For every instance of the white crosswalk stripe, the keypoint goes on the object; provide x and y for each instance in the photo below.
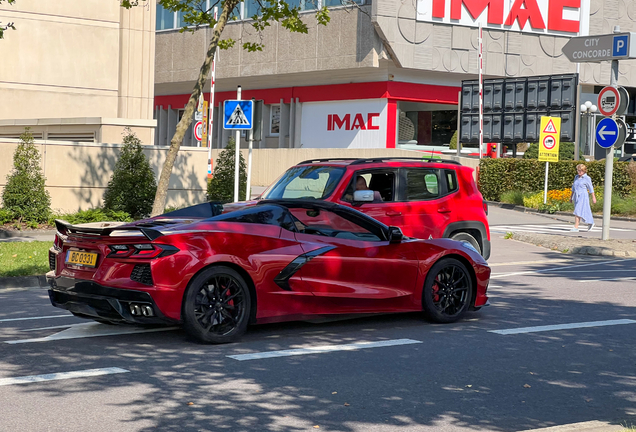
(547, 229)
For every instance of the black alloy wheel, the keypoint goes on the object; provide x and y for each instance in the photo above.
(216, 306)
(447, 291)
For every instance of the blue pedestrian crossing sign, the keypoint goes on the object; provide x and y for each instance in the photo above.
(607, 132)
(238, 114)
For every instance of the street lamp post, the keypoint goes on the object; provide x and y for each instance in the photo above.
(589, 109)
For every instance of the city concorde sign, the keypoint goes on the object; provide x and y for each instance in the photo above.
(617, 46)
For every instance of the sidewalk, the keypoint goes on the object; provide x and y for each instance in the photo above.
(582, 242)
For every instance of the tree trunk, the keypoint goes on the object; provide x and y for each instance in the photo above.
(185, 122)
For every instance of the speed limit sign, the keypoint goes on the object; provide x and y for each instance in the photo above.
(198, 130)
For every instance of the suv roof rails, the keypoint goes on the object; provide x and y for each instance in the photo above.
(358, 161)
(325, 160)
(382, 159)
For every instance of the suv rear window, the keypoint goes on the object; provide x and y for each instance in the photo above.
(422, 184)
(310, 181)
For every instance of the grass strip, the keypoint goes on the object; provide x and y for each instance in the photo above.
(24, 258)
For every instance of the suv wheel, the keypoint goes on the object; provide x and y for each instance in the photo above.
(467, 238)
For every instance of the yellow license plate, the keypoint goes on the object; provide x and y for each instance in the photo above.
(87, 259)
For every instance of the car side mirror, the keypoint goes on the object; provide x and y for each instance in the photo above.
(363, 196)
(395, 234)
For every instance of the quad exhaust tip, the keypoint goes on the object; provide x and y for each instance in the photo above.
(141, 310)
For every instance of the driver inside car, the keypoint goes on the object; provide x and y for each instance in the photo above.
(361, 184)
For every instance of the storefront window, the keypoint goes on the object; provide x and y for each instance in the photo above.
(274, 120)
(423, 124)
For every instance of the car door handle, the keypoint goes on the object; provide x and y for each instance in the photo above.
(393, 213)
(443, 210)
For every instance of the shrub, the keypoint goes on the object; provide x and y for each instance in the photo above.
(497, 176)
(453, 141)
(221, 186)
(132, 187)
(631, 172)
(24, 195)
(92, 215)
(512, 197)
(5, 216)
(566, 151)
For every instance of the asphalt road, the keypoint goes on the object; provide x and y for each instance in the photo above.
(480, 374)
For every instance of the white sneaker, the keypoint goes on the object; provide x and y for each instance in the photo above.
(590, 226)
(574, 230)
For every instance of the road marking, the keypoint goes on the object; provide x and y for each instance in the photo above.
(35, 318)
(530, 262)
(588, 264)
(323, 349)
(87, 330)
(61, 376)
(612, 279)
(596, 271)
(563, 326)
(51, 327)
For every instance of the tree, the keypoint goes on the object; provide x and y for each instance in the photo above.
(195, 14)
(132, 186)
(7, 25)
(221, 186)
(24, 195)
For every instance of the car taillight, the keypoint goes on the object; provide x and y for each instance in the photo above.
(57, 243)
(485, 204)
(141, 250)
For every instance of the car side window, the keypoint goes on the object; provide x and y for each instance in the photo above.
(451, 180)
(382, 182)
(326, 223)
(422, 184)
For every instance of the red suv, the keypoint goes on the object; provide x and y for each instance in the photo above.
(427, 198)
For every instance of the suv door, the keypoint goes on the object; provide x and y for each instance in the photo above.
(385, 181)
(427, 201)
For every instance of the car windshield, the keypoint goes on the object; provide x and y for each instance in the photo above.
(311, 181)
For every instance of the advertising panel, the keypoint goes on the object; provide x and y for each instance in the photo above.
(550, 17)
(344, 124)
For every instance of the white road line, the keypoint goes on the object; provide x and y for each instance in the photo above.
(612, 279)
(52, 327)
(61, 376)
(588, 264)
(562, 326)
(323, 349)
(35, 318)
(596, 271)
(87, 330)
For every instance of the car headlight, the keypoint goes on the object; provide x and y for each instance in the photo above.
(469, 246)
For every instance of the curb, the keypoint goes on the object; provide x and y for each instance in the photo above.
(523, 209)
(589, 426)
(5, 234)
(16, 283)
(569, 245)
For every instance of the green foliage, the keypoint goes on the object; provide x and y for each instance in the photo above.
(566, 151)
(92, 215)
(7, 25)
(453, 141)
(221, 186)
(5, 216)
(512, 197)
(497, 176)
(24, 195)
(132, 186)
(194, 14)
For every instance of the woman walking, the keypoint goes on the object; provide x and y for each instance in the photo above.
(581, 188)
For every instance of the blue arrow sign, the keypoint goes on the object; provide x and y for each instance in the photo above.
(607, 132)
(238, 114)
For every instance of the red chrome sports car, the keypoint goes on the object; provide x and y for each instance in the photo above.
(273, 261)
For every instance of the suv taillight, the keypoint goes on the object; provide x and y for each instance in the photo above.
(485, 204)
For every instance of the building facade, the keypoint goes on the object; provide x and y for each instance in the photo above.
(383, 74)
(77, 70)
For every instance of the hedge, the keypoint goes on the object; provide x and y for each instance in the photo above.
(497, 176)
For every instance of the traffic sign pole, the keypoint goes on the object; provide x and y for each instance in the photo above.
(237, 154)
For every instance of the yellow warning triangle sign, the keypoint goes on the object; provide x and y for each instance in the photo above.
(549, 128)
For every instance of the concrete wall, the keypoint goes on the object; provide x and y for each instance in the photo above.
(447, 48)
(77, 174)
(349, 41)
(71, 59)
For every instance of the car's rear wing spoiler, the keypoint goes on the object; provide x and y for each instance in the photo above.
(65, 228)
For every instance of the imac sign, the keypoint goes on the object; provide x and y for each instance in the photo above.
(556, 17)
